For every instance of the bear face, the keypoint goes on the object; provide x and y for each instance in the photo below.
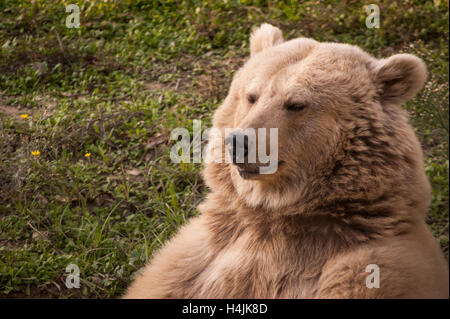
(342, 135)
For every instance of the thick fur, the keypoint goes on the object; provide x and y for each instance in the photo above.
(351, 191)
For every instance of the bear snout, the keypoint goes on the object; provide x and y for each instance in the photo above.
(238, 145)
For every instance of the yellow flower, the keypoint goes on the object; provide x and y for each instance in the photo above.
(24, 116)
(35, 153)
(87, 154)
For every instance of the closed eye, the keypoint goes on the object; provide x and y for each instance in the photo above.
(295, 106)
(252, 98)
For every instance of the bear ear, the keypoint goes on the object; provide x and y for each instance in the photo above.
(264, 37)
(399, 77)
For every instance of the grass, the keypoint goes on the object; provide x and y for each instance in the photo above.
(118, 85)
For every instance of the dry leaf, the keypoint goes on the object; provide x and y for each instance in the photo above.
(40, 235)
(156, 140)
(134, 172)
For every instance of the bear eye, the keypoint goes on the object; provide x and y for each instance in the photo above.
(251, 98)
(295, 106)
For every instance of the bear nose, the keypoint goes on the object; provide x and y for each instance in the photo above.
(237, 143)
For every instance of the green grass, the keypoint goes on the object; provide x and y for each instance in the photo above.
(118, 85)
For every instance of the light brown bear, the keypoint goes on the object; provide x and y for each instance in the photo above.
(350, 191)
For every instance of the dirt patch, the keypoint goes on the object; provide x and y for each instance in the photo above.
(15, 112)
(47, 291)
(208, 75)
(46, 104)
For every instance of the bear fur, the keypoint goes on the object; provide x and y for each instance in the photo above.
(350, 191)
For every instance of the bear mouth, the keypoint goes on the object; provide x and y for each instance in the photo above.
(251, 172)
(246, 173)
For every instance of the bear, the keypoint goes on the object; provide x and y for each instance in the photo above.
(344, 214)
